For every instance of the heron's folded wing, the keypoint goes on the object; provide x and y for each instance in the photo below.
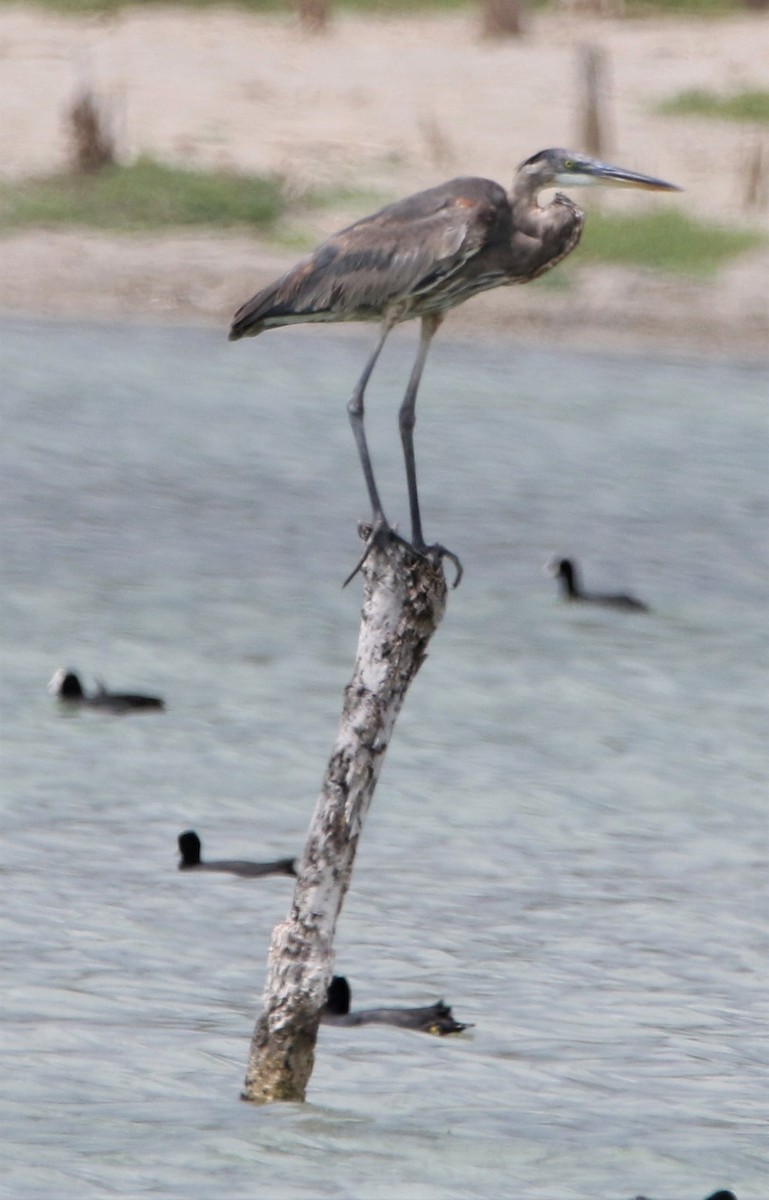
(400, 251)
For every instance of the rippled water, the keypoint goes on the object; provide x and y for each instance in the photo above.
(570, 836)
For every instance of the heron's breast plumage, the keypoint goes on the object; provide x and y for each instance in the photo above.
(543, 237)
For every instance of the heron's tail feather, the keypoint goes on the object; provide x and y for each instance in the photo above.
(300, 295)
(249, 319)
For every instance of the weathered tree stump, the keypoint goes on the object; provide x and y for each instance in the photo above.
(403, 602)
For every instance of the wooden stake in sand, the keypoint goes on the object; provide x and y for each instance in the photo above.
(314, 15)
(592, 105)
(756, 174)
(502, 18)
(403, 601)
(90, 127)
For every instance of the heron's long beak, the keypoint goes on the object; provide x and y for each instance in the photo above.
(607, 176)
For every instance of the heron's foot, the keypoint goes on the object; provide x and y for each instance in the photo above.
(436, 553)
(380, 534)
(376, 535)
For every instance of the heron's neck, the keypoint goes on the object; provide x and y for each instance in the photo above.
(529, 213)
(549, 233)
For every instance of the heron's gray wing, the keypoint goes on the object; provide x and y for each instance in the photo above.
(399, 252)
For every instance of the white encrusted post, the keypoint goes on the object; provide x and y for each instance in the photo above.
(403, 602)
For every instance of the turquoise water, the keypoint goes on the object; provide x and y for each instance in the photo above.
(569, 841)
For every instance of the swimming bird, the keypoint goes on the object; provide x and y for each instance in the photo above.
(420, 257)
(433, 1018)
(722, 1195)
(66, 686)
(565, 570)
(189, 847)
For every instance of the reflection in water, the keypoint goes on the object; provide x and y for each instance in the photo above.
(569, 838)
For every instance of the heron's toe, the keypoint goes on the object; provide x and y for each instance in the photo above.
(436, 553)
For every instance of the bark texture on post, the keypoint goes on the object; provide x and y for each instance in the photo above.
(403, 602)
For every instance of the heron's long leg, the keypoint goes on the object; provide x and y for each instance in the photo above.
(407, 420)
(355, 412)
(381, 527)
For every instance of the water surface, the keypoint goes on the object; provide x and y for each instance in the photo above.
(569, 839)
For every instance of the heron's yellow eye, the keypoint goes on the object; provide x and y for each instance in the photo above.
(568, 164)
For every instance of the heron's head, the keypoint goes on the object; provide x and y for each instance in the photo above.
(566, 168)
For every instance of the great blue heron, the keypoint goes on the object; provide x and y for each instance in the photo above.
(422, 256)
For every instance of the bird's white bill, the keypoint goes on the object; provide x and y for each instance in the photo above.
(54, 686)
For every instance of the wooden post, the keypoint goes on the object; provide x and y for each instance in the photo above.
(403, 602)
(90, 127)
(756, 173)
(502, 18)
(314, 15)
(592, 132)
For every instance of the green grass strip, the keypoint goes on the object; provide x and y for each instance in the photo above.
(683, 8)
(271, 7)
(749, 105)
(146, 195)
(151, 196)
(635, 8)
(666, 240)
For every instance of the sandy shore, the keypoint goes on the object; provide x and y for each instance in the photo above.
(384, 106)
